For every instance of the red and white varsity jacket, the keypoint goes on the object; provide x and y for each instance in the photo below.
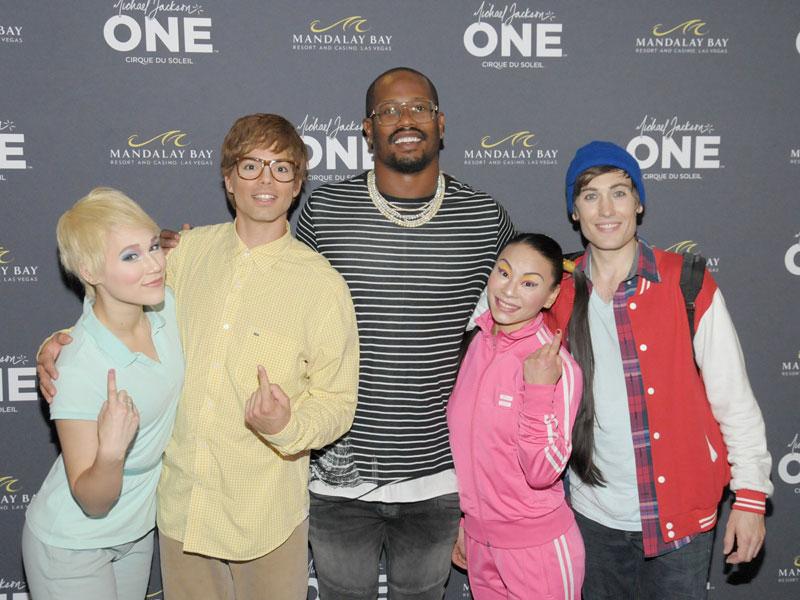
(706, 429)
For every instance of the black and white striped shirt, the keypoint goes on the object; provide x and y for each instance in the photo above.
(414, 290)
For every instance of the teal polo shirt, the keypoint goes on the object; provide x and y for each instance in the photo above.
(155, 386)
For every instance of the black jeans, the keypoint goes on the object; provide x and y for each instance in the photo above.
(347, 537)
(616, 568)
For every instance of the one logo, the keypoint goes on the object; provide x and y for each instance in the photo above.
(794, 156)
(520, 148)
(675, 148)
(797, 43)
(691, 247)
(171, 148)
(12, 494)
(348, 34)
(10, 34)
(511, 37)
(167, 32)
(334, 144)
(11, 147)
(17, 382)
(792, 258)
(13, 272)
(789, 464)
(13, 589)
(691, 36)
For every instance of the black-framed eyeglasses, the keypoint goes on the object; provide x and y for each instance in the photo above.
(390, 112)
(250, 167)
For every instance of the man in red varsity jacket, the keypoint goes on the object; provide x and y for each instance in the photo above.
(667, 420)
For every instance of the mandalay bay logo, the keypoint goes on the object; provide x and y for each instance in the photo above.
(10, 34)
(348, 34)
(510, 36)
(692, 36)
(336, 147)
(519, 148)
(12, 494)
(691, 247)
(790, 572)
(153, 32)
(14, 271)
(171, 148)
(675, 149)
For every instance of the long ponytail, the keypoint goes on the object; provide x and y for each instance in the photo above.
(581, 348)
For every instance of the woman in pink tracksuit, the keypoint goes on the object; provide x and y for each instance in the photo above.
(510, 418)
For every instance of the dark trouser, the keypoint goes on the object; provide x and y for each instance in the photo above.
(617, 570)
(347, 537)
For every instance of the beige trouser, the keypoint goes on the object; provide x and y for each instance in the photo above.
(280, 575)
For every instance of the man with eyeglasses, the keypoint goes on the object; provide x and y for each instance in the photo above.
(271, 346)
(416, 247)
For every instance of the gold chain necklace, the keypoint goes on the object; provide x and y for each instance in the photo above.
(395, 214)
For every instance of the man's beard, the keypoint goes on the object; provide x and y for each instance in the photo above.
(408, 165)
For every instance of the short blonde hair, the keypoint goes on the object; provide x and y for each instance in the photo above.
(82, 231)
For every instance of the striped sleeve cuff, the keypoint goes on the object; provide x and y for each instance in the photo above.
(750, 501)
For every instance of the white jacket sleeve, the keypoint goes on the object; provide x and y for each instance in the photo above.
(719, 356)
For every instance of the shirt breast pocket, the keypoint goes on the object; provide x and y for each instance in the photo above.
(279, 354)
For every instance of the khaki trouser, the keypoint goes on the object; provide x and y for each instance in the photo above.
(280, 575)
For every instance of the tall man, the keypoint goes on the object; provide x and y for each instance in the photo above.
(415, 247)
(667, 419)
(271, 348)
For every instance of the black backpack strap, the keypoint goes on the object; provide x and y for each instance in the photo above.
(692, 272)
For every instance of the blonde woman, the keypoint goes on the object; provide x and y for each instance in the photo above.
(89, 532)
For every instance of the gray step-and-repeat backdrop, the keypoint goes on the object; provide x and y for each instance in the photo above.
(138, 94)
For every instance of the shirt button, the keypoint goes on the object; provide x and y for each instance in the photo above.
(246, 252)
(661, 479)
(671, 534)
(226, 327)
(632, 305)
(668, 525)
(651, 391)
(656, 435)
(643, 347)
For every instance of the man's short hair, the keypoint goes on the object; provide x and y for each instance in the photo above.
(263, 130)
(370, 101)
(586, 176)
(82, 231)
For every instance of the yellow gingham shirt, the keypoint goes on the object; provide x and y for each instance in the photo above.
(225, 491)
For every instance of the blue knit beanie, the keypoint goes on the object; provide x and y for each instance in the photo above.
(601, 154)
